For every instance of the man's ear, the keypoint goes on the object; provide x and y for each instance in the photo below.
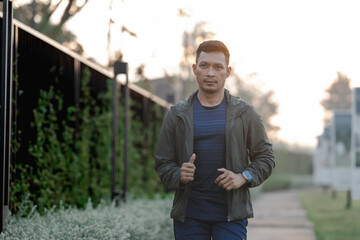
(228, 71)
(194, 67)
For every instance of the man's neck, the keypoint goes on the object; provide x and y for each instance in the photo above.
(210, 99)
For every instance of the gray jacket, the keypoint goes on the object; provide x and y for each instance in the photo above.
(247, 148)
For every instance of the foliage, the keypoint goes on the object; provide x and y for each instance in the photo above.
(293, 169)
(277, 182)
(136, 220)
(338, 95)
(141, 79)
(115, 55)
(144, 134)
(20, 188)
(332, 221)
(93, 143)
(72, 159)
(262, 102)
(292, 161)
(287, 181)
(53, 152)
(38, 14)
(189, 43)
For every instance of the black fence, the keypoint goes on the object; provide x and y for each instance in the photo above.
(36, 59)
(6, 90)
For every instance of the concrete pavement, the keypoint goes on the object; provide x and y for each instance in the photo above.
(279, 216)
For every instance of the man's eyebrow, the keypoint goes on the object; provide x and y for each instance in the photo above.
(216, 63)
(203, 61)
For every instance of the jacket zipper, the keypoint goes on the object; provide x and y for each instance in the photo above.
(229, 195)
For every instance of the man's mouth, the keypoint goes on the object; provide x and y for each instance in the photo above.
(210, 81)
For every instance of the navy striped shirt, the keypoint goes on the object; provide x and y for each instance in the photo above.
(207, 201)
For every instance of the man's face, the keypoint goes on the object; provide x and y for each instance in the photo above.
(211, 71)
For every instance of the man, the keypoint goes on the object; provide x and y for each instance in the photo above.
(212, 148)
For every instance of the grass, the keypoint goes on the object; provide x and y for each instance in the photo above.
(332, 221)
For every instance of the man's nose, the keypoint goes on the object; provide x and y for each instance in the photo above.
(210, 73)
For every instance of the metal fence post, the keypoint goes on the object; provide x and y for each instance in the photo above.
(6, 96)
(120, 68)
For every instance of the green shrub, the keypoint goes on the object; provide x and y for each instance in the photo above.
(292, 170)
(137, 220)
(277, 182)
(292, 161)
(287, 181)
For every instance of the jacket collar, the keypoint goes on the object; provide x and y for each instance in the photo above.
(235, 105)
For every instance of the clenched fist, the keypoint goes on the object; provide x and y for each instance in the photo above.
(229, 180)
(187, 170)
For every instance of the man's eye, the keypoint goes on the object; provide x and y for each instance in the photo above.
(203, 65)
(219, 67)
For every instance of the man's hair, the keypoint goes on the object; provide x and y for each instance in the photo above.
(213, 46)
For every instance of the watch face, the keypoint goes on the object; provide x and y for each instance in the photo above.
(247, 175)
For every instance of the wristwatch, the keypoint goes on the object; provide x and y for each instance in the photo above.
(247, 175)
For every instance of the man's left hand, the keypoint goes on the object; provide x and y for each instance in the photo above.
(229, 180)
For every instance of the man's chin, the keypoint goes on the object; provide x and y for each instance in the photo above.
(210, 90)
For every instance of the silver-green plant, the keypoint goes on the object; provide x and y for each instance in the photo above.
(137, 220)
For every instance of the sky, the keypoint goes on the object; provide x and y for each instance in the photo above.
(295, 47)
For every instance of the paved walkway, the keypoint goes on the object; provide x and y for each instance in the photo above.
(279, 216)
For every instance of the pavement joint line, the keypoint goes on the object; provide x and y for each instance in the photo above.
(287, 225)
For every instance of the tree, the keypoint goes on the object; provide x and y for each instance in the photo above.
(262, 102)
(116, 55)
(338, 96)
(189, 43)
(38, 13)
(141, 79)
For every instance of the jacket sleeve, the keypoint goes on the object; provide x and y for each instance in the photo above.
(165, 156)
(259, 150)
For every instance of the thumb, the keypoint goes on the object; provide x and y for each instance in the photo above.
(192, 159)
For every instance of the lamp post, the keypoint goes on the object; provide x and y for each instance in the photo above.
(6, 96)
(120, 68)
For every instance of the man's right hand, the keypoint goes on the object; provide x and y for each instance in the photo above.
(187, 170)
